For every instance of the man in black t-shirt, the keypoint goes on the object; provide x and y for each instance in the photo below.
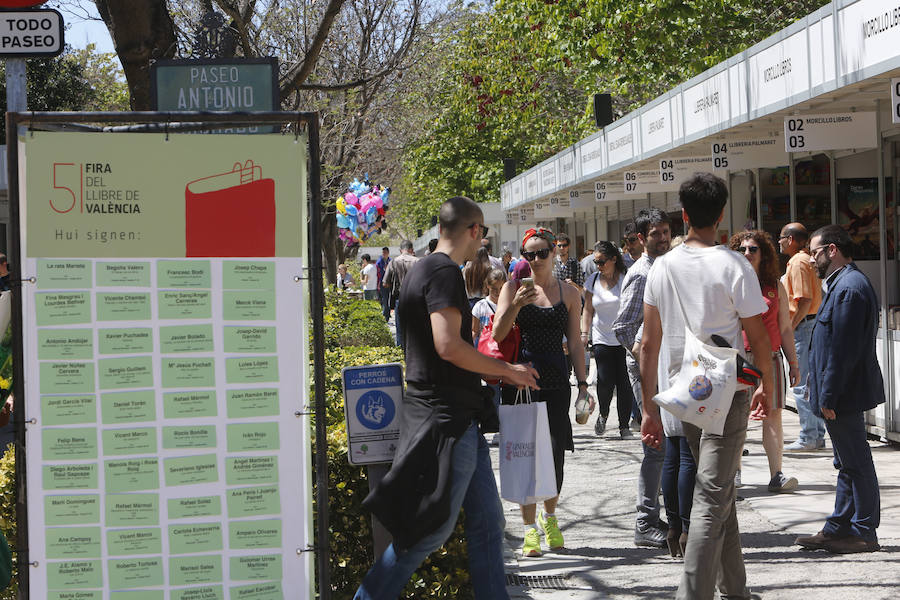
(442, 462)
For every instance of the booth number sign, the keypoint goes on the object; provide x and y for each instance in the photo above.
(895, 100)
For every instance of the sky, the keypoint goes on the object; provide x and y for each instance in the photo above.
(80, 29)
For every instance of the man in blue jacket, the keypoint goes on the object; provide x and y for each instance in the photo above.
(844, 382)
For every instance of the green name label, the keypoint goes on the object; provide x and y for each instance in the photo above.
(129, 510)
(72, 510)
(184, 305)
(254, 534)
(249, 306)
(206, 592)
(123, 274)
(259, 567)
(131, 372)
(67, 377)
(135, 572)
(258, 591)
(241, 275)
(128, 407)
(201, 506)
(69, 444)
(70, 477)
(73, 542)
(118, 442)
(195, 537)
(188, 470)
(188, 372)
(183, 274)
(251, 469)
(131, 475)
(256, 369)
(262, 402)
(68, 410)
(184, 570)
(127, 542)
(126, 341)
(74, 574)
(247, 437)
(186, 338)
(63, 344)
(62, 308)
(198, 436)
(123, 306)
(250, 339)
(63, 274)
(253, 501)
(189, 404)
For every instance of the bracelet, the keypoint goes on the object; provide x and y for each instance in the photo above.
(583, 383)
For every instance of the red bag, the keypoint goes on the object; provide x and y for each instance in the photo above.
(506, 349)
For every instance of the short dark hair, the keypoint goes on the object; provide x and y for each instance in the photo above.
(489, 245)
(406, 245)
(366, 258)
(432, 244)
(562, 237)
(703, 196)
(385, 249)
(837, 235)
(456, 214)
(647, 218)
(631, 228)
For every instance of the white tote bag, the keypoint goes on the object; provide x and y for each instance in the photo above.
(527, 474)
(702, 392)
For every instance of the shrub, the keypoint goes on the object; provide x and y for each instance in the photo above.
(444, 574)
(8, 514)
(350, 321)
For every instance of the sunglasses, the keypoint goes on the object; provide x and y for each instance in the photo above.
(750, 249)
(530, 256)
(562, 245)
(631, 240)
(484, 228)
(600, 261)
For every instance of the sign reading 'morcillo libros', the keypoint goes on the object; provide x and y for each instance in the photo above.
(31, 33)
(167, 453)
(809, 133)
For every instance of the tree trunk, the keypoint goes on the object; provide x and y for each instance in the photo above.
(143, 31)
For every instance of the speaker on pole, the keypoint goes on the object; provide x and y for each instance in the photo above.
(509, 168)
(603, 114)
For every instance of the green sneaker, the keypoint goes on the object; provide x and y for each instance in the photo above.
(551, 530)
(532, 545)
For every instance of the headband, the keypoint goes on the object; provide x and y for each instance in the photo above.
(540, 232)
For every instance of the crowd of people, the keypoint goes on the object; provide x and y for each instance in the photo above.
(630, 308)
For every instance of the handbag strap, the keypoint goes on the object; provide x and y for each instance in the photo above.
(523, 394)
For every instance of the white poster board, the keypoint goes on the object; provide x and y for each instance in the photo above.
(168, 455)
(843, 131)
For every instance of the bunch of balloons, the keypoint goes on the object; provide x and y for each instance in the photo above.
(360, 211)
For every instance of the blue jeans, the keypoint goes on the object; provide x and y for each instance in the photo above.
(857, 500)
(474, 489)
(679, 473)
(384, 295)
(398, 332)
(812, 428)
(650, 474)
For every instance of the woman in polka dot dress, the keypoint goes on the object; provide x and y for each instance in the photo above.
(545, 310)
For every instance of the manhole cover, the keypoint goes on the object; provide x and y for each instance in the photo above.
(540, 582)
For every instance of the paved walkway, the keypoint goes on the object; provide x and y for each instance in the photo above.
(596, 515)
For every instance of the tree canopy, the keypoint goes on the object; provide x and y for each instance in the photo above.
(516, 80)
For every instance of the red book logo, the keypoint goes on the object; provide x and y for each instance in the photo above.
(231, 213)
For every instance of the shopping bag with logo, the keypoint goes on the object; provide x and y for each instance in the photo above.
(527, 474)
(231, 214)
(702, 392)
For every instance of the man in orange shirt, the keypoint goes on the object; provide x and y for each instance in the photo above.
(805, 295)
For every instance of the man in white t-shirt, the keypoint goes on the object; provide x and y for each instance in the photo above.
(720, 294)
(369, 276)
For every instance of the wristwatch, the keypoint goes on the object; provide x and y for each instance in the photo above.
(583, 383)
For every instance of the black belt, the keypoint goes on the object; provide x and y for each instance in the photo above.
(809, 317)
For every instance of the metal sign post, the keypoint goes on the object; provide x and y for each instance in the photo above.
(372, 398)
